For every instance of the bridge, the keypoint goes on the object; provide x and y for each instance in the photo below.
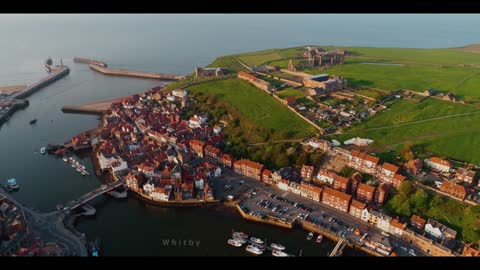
(337, 250)
(93, 194)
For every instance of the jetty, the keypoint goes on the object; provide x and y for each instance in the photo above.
(90, 108)
(57, 73)
(138, 74)
(11, 89)
(89, 61)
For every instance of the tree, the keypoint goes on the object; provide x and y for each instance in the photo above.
(406, 152)
(405, 188)
(420, 201)
(281, 160)
(316, 158)
(347, 171)
(302, 159)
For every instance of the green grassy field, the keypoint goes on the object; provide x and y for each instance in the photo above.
(256, 105)
(451, 136)
(290, 92)
(376, 94)
(228, 62)
(419, 69)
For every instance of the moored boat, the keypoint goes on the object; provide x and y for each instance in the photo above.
(256, 240)
(253, 249)
(43, 150)
(277, 246)
(310, 236)
(33, 121)
(240, 234)
(279, 253)
(319, 238)
(65, 159)
(12, 183)
(234, 242)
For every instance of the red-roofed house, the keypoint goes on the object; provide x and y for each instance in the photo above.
(326, 176)
(307, 172)
(310, 191)
(336, 199)
(356, 209)
(396, 227)
(227, 160)
(246, 76)
(466, 176)
(453, 189)
(418, 222)
(249, 168)
(397, 180)
(342, 184)
(355, 180)
(381, 194)
(470, 251)
(413, 166)
(290, 100)
(386, 172)
(267, 177)
(198, 147)
(365, 193)
(438, 164)
(363, 162)
(212, 154)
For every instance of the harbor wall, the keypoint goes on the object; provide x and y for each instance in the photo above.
(55, 75)
(81, 110)
(191, 203)
(17, 106)
(274, 222)
(89, 61)
(129, 73)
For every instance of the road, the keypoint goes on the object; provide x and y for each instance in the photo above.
(49, 227)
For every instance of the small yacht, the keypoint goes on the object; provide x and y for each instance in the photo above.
(241, 240)
(279, 253)
(43, 150)
(240, 235)
(256, 240)
(319, 238)
(234, 242)
(310, 236)
(253, 249)
(277, 246)
(65, 159)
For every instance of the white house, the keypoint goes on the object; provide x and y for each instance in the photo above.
(365, 215)
(148, 188)
(160, 194)
(199, 184)
(383, 223)
(171, 98)
(282, 184)
(217, 129)
(181, 93)
(119, 165)
(438, 164)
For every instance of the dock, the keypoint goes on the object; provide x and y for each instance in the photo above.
(89, 61)
(138, 74)
(11, 89)
(56, 74)
(337, 250)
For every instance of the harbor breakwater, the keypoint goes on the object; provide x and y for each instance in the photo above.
(139, 74)
(89, 61)
(56, 74)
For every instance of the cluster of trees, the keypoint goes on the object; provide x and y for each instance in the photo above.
(410, 200)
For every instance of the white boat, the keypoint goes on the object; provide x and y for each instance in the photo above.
(84, 173)
(70, 158)
(319, 238)
(278, 253)
(234, 242)
(78, 169)
(256, 240)
(65, 159)
(255, 250)
(240, 234)
(241, 240)
(43, 150)
(310, 236)
(12, 182)
(277, 246)
(73, 166)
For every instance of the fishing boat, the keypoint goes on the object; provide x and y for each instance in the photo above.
(253, 249)
(240, 234)
(234, 242)
(256, 240)
(279, 253)
(33, 121)
(310, 236)
(43, 150)
(12, 183)
(319, 238)
(277, 246)
(65, 159)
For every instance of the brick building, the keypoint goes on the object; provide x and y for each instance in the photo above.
(336, 199)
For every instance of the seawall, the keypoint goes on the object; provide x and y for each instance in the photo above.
(89, 61)
(55, 75)
(139, 74)
(270, 221)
